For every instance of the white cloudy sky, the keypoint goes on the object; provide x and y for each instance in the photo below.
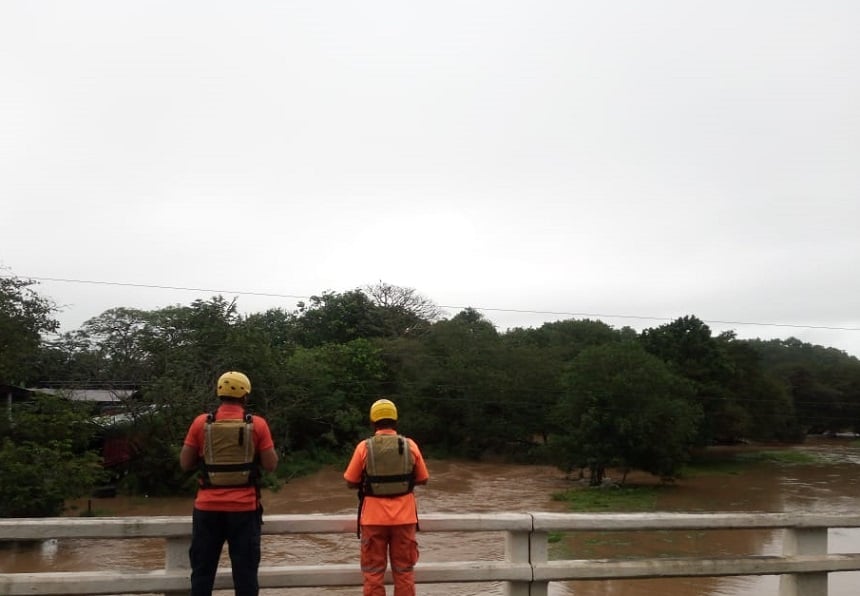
(650, 159)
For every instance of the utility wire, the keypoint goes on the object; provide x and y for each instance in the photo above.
(649, 318)
(457, 307)
(159, 287)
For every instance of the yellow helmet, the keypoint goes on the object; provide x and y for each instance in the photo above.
(233, 384)
(383, 408)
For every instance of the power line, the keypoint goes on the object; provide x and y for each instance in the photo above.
(160, 287)
(457, 307)
(649, 318)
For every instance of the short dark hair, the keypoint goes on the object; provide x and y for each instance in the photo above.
(227, 399)
(385, 423)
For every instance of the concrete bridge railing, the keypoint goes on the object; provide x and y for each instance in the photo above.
(525, 570)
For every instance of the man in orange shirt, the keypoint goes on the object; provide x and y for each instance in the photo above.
(385, 468)
(228, 446)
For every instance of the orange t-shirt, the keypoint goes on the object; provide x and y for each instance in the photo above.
(228, 499)
(387, 511)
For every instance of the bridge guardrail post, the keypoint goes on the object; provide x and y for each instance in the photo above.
(517, 551)
(176, 559)
(804, 541)
(538, 554)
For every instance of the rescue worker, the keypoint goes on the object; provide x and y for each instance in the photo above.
(385, 469)
(228, 446)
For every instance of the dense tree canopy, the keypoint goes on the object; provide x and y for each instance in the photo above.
(577, 393)
(45, 457)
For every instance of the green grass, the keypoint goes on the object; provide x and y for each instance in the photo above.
(620, 499)
(737, 463)
(785, 457)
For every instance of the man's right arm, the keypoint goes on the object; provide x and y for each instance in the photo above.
(188, 458)
(354, 470)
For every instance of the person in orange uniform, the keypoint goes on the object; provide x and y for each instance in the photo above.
(228, 446)
(385, 469)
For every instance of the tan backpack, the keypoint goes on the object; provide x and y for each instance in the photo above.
(389, 471)
(229, 453)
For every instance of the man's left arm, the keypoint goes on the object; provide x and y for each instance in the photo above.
(419, 471)
(265, 445)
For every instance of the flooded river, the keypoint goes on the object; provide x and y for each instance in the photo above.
(832, 485)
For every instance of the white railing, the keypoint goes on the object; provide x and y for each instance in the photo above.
(526, 570)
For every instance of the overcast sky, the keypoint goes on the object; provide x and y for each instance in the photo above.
(647, 159)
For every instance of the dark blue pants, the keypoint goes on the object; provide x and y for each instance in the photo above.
(241, 531)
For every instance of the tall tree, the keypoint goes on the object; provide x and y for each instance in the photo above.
(403, 310)
(338, 318)
(109, 349)
(687, 346)
(452, 380)
(623, 407)
(25, 317)
(324, 395)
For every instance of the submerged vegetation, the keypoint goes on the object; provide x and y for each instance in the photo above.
(614, 499)
(645, 497)
(782, 457)
(736, 462)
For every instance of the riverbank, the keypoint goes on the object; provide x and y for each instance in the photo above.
(631, 491)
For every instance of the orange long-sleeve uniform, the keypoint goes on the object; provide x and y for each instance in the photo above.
(388, 527)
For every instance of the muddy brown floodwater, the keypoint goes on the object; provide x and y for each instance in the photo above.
(830, 486)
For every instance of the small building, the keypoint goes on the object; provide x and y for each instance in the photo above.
(112, 420)
(106, 399)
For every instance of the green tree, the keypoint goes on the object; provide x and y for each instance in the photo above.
(173, 356)
(824, 383)
(107, 350)
(687, 346)
(46, 457)
(530, 387)
(338, 318)
(564, 340)
(623, 407)
(535, 361)
(451, 380)
(24, 317)
(764, 405)
(324, 395)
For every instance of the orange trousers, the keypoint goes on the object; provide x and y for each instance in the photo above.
(378, 544)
